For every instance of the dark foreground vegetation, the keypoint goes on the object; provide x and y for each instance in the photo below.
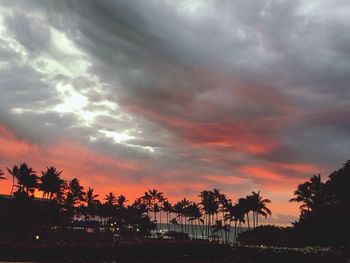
(324, 215)
(65, 222)
(167, 251)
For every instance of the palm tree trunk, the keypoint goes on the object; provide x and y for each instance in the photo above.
(13, 185)
(155, 219)
(160, 220)
(192, 228)
(254, 221)
(234, 238)
(248, 220)
(167, 221)
(196, 230)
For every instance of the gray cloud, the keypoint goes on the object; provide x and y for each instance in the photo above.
(230, 83)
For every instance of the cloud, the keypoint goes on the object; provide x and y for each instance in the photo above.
(241, 95)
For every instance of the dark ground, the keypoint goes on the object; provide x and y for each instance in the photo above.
(164, 252)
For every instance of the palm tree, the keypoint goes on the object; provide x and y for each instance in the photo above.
(185, 205)
(154, 198)
(109, 207)
(14, 172)
(168, 209)
(121, 199)
(76, 191)
(225, 204)
(217, 196)
(259, 207)
(110, 199)
(194, 214)
(26, 178)
(90, 197)
(51, 183)
(91, 202)
(310, 194)
(317, 191)
(246, 205)
(210, 207)
(178, 209)
(303, 194)
(236, 213)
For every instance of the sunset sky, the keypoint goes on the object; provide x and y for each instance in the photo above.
(180, 96)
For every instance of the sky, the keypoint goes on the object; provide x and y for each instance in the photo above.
(180, 96)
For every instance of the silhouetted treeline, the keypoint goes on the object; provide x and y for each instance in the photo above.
(324, 215)
(325, 208)
(67, 204)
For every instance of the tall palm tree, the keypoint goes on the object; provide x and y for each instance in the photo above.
(121, 199)
(178, 209)
(317, 191)
(146, 200)
(76, 191)
(259, 207)
(184, 213)
(303, 194)
(15, 174)
(91, 202)
(90, 197)
(217, 196)
(210, 207)
(27, 180)
(155, 197)
(51, 183)
(110, 199)
(194, 215)
(247, 205)
(236, 213)
(168, 209)
(225, 204)
(108, 209)
(310, 194)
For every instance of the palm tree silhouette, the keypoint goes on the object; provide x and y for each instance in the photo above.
(236, 213)
(168, 209)
(110, 199)
(76, 191)
(26, 178)
(185, 205)
(51, 183)
(91, 203)
(303, 194)
(154, 198)
(121, 199)
(225, 203)
(310, 194)
(259, 207)
(194, 214)
(90, 197)
(210, 207)
(247, 204)
(15, 174)
(178, 209)
(108, 209)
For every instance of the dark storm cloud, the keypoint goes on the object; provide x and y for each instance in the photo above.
(229, 84)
